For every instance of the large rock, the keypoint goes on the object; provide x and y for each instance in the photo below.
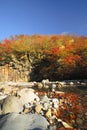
(11, 104)
(25, 91)
(27, 95)
(16, 121)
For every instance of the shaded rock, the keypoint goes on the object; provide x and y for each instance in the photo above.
(46, 106)
(11, 104)
(45, 99)
(85, 113)
(0, 110)
(79, 121)
(53, 127)
(16, 121)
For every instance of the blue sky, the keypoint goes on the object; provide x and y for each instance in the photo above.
(42, 17)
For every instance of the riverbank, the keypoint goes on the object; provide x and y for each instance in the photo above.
(66, 101)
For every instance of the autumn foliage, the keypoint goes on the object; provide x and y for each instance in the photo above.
(51, 56)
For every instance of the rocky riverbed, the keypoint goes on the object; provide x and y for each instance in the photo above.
(43, 106)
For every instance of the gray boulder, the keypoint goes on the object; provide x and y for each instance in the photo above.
(14, 121)
(11, 104)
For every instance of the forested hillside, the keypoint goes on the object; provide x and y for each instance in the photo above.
(53, 57)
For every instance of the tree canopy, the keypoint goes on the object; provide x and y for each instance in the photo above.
(52, 56)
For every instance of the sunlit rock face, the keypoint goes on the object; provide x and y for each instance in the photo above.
(14, 71)
(11, 104)
(27, 95)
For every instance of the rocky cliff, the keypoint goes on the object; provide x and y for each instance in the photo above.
(15, 71)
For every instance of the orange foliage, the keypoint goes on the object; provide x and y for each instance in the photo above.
(72, 59)
(70, 51)
(55, 51)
